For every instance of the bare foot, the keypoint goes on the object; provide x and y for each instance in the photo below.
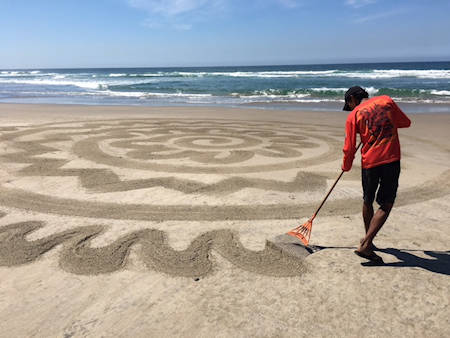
(370, 255)
(372, 246)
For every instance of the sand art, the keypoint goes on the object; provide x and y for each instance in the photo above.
(79, 257)
(189, 158)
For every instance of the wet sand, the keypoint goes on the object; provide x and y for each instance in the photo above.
(139, 221)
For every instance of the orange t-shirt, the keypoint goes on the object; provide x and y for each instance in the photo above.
(376, 120)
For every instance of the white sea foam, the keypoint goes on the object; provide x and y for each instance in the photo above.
(117, 74)
(177, 95)
(15, 73)
(423, 74)
(371, 90)
(155, 95)
(374, 74)
(326, 89)
(261, 99)
(149, 75)
(122, 94)
(394, 73)
(271, 95)
(267, 74)
(441, 92)
(55, 82)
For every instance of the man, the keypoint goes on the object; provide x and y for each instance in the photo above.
(376, 120)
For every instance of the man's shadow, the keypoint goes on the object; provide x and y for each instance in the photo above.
(439, 263)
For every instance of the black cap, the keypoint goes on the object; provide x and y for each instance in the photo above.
(353, 91)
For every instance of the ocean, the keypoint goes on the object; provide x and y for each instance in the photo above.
(417, 86)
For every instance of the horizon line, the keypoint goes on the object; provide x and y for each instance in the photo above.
(243, 65)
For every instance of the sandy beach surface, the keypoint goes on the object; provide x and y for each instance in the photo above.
(154, 222)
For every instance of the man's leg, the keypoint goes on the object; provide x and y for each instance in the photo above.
(375, 225)
(367, 212)
(389, 174)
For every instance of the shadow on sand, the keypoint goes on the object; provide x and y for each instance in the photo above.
(438, 263)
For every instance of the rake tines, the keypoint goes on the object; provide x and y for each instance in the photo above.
(302, 232)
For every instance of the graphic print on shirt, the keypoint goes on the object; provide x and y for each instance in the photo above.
(378, 123)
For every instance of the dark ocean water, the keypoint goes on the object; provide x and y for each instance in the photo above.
(426, 84)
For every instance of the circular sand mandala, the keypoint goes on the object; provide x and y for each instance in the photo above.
(187, 159)
(167, 169)
(203, 147)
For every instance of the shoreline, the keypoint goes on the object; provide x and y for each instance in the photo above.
(334, 106)
(11, 113)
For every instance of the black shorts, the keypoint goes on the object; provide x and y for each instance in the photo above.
(384, 178)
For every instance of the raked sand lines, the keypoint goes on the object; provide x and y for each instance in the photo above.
(176, 153)
(78, 256)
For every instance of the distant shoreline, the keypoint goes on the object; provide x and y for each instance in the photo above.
(409, 108)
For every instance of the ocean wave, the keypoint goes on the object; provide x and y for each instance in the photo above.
(303, 92)
(64, 80)
(283, 100)
(440, 92)
(272, 93)
(363, 74)
(155, 95)
(422, 74)
(50, 82)
(438, 74)
(396, 73)
(370, 90)
(326, 89)
(272, 96)
(272, 74)
(19, 73)
(148, 74)
(264, 74)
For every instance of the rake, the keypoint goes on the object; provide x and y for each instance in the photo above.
(303, 232)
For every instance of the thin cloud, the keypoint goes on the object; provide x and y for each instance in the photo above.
(172, 8)
(183, 27)
(289, 3)
(359, 3)
(178, 14)
(377, 16)
(168, 7)
(182, 14)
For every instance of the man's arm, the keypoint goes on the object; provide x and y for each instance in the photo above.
(350, 143)
(399, 117)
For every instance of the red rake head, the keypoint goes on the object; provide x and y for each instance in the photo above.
(302, 232)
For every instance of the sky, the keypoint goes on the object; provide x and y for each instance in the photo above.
(159, 33)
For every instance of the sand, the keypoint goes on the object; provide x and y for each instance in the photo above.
(139, 221)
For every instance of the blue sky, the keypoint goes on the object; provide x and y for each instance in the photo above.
(119, 33)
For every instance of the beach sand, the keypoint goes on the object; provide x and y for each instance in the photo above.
(145, 221)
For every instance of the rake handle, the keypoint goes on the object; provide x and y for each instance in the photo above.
(331, 189)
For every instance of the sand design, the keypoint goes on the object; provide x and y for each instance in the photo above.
(181, 161)
(79, 257)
